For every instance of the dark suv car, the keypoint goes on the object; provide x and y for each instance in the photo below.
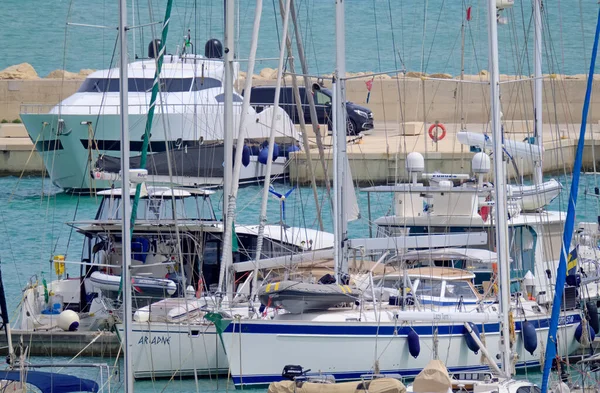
(359, 117)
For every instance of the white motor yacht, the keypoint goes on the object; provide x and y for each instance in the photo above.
(72, 136)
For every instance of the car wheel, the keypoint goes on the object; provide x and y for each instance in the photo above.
(351, 128)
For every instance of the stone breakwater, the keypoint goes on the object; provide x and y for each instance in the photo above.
(405, 97)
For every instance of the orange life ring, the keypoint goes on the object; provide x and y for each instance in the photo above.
(435, 137)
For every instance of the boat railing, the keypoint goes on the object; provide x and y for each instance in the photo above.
(44, 109)
(105, 374)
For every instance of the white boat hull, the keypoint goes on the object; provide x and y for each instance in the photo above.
(258, 350)
(69, 152)
(167, 349)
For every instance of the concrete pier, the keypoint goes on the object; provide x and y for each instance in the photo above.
(17, 153)
(378, 157)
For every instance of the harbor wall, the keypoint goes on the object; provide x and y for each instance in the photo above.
(397, 104)
(47, 92)
(391, 100)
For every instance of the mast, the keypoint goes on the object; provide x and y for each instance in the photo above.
(226, 258)
(340, 227)
(228, 104)
(10, 359)
(537, 87)
(500, 209)
(561, 273)
(265, 197)
(126, 227)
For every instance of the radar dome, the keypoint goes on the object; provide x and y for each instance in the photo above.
(481, 163)
(213, 49)
(415, 163)
(153, 48)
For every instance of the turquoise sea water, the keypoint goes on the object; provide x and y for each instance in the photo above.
(382, 35)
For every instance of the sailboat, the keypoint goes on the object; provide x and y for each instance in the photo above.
(350, 341)
(180, 335)
(21, 373)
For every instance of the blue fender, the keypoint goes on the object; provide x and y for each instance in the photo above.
(471, 344)
(529, 337)
(414, 346)
(246, 156)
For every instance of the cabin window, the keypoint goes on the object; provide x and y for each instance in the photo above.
(429, 288)
(458, 289)
(201, 83)
(246, 247)
(191, 208)
(210, 260)
(153, 209)
(221, 98)
(529, 389)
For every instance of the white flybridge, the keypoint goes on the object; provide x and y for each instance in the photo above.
(82, 128)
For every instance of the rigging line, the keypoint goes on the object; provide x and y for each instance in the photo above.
(33, 148)
(276, 24)
(401, 111)
(437, 23)
(377, 36)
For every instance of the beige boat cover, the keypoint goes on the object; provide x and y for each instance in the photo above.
(378, 385)
(433, 378)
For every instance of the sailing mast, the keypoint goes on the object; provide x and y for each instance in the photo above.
(125, 228)
(228, 105)
(561, 273)
(340, 227)
(537, 88)
(230, 199)
(500, 208)
(265, 197)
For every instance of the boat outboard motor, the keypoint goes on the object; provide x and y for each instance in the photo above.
(327, 279)
(153, 48)
(213, 49)
(293, 371)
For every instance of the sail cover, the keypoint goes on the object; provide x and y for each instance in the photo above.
(378, 385)
(51, 382)
(433, 378)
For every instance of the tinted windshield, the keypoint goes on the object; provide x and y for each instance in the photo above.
(429, 288)
(169, 85)
(458, 289)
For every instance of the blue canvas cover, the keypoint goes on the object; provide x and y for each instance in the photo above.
(52, 382)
